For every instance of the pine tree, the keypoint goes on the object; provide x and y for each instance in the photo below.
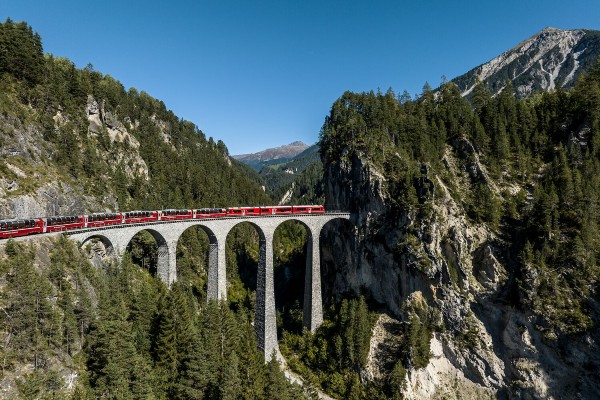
(231, 385)
(174, 336)
(276, 384)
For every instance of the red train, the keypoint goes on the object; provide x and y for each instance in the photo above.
(24, 227)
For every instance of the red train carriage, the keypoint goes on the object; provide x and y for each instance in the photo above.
(21, 227)
(14, 228)
(243, 211)
(103, 219)
(308, 209)
(58, 224)
(283, 210)
(171, 215)
(136, 217)
(210, 213)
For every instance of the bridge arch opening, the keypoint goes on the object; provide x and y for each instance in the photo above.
(337, 246)
(196, 250)
(242, 248)
(290, 261)
(98, 248)
(148, 249)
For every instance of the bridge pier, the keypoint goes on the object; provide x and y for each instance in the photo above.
(217, 268)
(166, 267)
(312, 313)
(265, 324)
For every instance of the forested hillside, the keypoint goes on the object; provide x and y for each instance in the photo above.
(532, 165)
(476, 232)
(75, 140)
(489, 211)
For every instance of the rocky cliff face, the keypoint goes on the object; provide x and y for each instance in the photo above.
(30, 185)
(33, 185)
(486, 347)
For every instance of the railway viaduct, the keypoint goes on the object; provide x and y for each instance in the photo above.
(116, 239)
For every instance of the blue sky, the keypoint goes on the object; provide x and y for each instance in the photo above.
(265, 73)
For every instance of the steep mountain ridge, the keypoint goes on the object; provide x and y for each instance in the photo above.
(470, 230)
(549, 60)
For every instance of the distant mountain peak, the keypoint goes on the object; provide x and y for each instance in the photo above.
(275, 153)
(550, 29)
(550, 59)
(298, 143)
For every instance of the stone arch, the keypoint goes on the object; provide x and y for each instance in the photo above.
(311, 296)
(249, 276)
(165, 261)
(265, 325)
(212, 291)
(338, 236)
(259, 229)
(101, 247)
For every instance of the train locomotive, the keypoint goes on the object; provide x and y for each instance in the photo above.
(25, 227)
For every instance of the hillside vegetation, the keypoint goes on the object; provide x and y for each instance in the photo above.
(70, 330)
(115, 148)
(490, 209)
(534, 168)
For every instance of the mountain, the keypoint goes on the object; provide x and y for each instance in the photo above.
(550, 59)
(287, 178)
(478, 228)
(470, 268)
(296, 181)
(272, 155)
(75, 141)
